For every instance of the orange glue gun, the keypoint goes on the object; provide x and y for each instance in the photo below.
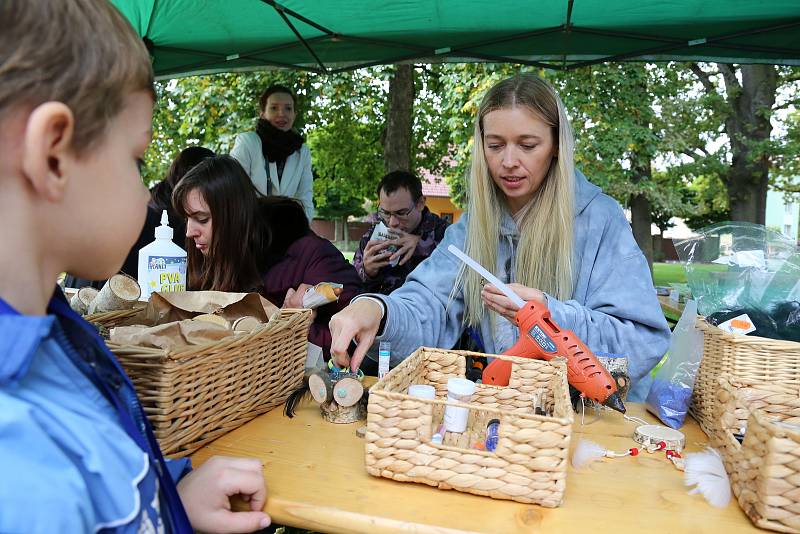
(541, 338)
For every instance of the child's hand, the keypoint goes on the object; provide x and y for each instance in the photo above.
(206, 492)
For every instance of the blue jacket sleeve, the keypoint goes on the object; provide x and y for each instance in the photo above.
(179, 468)
(618, 310)
(421, 312)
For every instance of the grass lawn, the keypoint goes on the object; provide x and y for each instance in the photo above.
(666, 273)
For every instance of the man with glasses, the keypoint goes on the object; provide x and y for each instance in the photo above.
(402, 209)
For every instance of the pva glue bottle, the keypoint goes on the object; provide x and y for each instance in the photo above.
(162, 263)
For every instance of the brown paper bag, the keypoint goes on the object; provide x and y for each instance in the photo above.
(175, 306)
(169, 336)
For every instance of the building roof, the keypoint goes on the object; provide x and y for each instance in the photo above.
(434, 186)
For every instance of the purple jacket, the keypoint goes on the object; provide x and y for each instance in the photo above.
(309, 260)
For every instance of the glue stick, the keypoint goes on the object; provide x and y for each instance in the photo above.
(384, 355)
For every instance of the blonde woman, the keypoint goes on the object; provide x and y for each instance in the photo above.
(541, 227)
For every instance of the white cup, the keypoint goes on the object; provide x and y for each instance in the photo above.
(422, 391)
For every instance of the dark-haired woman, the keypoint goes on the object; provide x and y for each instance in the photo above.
(275, 156)
(238, 240)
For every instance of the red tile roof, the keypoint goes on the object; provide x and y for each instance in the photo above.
(434, 186)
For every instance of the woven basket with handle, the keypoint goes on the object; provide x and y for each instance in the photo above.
(530, 462)
(765, 468)
(194, 395)
(749, 358)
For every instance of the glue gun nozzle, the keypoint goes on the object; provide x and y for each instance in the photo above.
(615, 403)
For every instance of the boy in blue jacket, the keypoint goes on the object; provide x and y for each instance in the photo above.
(76, 451)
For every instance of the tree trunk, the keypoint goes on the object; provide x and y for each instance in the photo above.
(345, 233)
(397, 141)
(748, 127)
(641, 222)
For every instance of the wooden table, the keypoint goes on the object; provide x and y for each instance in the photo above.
(317, 480)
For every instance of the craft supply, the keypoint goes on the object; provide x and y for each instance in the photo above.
(588, 451)
(340, 394)
(651, 436)
(705, 471)
(211, 318)
(438, 436)
(541, 338)
(81, 300)
(384, 357)
(492, 434)
(248, 323)
(422, 391)
(458, 390)
(162, 263)
(120, 292)
(320, 387)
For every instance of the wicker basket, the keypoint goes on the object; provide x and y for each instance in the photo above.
(530, 462)
(765, 468)
(194, 395)
(750, 358)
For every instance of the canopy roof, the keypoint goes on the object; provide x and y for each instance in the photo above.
(201, 36)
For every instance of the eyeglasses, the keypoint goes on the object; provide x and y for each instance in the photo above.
(400, 214)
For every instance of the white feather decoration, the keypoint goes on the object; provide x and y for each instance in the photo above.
(706, 472)
(586, 452)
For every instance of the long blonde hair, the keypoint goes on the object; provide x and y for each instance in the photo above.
(544, 258)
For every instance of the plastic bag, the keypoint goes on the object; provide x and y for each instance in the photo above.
(671, 391)
(732, 266)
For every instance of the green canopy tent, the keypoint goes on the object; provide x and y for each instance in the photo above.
(203, 36)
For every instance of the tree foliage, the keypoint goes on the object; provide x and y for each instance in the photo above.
(627, 117)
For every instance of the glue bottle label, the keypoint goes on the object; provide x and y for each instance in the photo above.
(384, 356)
(166, 273)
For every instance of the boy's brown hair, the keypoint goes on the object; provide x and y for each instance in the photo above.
(82, 53)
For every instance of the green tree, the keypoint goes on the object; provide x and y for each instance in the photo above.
(744, 100)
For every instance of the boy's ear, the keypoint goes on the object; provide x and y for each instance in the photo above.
(46, 146)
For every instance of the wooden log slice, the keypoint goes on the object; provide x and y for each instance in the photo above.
(335, 413)
(319, 385)
(81, 300)
(120, 292)
(347, 391)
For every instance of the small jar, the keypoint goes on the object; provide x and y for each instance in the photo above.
(458, 390)
(422, 391)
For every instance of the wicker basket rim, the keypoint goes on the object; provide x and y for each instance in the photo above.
(294, 315)
(739, 338)
(558, 363)
(475, 406)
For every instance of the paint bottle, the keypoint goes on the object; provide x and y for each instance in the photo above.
(384, 356)
(458, 390)
(492, 434)
(162, 263)
(438, 436)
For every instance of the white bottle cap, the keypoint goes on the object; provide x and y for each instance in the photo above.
(164, 231)
(422, 391)
(460, 386)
